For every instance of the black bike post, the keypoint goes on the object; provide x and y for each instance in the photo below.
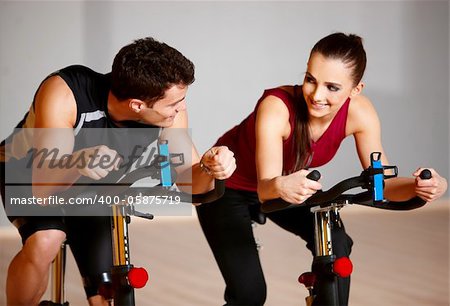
(325, 288)
(123, 293)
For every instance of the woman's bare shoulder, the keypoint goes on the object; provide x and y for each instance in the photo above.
(361, 113)
(361, 104)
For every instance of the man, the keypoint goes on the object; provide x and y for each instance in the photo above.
(146, 89)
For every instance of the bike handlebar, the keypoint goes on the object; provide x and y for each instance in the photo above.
(336, 195)
(123, 186)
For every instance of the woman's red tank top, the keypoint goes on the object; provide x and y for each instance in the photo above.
(241, 140)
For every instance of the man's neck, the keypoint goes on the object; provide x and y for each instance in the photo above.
(119, 110)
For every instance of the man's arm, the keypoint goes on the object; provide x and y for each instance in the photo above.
(192, 177)
(55, 114)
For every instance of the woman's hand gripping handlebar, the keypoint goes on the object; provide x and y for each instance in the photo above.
(368, 179)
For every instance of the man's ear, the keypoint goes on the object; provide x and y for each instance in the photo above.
(136, 105)
(357, 89)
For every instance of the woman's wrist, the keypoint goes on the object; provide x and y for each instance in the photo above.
(278, 183)
(270, 189)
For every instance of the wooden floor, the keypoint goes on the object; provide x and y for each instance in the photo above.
(400, 259)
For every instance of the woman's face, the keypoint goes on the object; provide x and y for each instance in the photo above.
(327, 85)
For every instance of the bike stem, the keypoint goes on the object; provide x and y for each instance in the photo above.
(121, 248)
(123, 293)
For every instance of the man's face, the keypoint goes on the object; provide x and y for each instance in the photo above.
(164, 111)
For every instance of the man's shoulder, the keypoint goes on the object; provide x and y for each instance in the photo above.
(77, 70)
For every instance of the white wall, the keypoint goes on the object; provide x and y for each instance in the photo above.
(241, 48)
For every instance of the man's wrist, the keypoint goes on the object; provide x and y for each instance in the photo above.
(204, 168)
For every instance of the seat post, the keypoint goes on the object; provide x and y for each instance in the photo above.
(325, 287)
(322, 231)
(58, 272)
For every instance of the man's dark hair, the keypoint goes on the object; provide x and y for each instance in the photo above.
(146, 68)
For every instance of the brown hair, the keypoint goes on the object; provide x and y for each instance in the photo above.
(146, 68)
(349, 49)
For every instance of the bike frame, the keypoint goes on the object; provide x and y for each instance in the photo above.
(119, 285)
(325, 205)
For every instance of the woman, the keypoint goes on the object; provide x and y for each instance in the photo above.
(291, 129)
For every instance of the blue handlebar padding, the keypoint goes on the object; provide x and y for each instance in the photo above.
(378, 194)
(166, 175)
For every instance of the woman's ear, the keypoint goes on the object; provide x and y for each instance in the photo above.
(357, 89)
(136, 105)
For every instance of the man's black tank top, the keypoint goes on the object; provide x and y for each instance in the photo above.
(93, 125)
(90, 90)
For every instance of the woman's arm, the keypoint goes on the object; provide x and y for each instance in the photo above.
(272, 127)
(365, 126)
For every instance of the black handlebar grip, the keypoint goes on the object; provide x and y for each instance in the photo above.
(413, 203)
(314, 175)
(279, 204)
(212, 195)
(425, 174)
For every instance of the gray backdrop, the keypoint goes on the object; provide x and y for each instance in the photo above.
(241, 48)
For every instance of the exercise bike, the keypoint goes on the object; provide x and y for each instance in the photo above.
(321, 282)
(119, 284)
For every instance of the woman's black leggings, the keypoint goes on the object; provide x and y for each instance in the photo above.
(226, 224)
